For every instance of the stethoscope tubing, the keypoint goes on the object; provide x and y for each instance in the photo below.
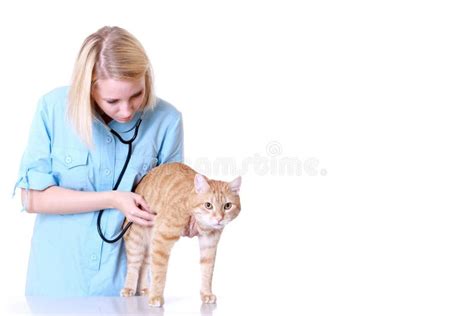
(124, 168)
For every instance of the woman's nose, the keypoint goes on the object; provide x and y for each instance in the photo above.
(127, 109)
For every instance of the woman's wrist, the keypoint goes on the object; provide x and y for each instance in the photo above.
(110, 198)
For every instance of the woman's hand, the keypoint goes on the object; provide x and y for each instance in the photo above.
(134, 207)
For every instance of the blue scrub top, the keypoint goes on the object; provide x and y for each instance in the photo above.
(68, 258)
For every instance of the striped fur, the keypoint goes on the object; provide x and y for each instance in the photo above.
(187, 204)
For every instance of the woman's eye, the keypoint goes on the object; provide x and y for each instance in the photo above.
(227, 206)
(208, 205)
(112, 102)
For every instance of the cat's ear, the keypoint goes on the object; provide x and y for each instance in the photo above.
(234, 185)
(200, 184)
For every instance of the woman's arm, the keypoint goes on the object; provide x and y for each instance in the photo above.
(58, 200)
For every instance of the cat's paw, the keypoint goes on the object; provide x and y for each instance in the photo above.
(126, 292)
(156, 301)
(143, 292)
(208, 298)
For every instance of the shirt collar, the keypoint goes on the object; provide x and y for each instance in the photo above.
(120, 127)
(125, 127)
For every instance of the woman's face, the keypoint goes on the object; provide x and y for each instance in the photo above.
(119, 100)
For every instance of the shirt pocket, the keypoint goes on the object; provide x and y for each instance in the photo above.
(70, 167)
(147, 164)
(139, 168)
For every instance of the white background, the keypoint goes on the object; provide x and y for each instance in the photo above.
(377, 96)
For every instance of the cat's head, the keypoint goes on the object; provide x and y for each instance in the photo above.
(217, 202)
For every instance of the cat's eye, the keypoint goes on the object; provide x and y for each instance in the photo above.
(208, 205)
(227, 206)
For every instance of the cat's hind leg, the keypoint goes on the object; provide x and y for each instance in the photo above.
(161, 245)
(143, 280)
(135, 249)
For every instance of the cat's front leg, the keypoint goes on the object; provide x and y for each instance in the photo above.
(208, 245)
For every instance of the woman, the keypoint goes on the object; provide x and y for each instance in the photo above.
(74, 158)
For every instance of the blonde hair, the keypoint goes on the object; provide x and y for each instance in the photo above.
(109, 53)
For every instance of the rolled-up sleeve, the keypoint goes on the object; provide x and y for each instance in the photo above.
(172, 149)
(35, 168)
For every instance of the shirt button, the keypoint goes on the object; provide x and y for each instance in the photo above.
(93, 257)
(107, 172)
(108, 139)
(68, 159)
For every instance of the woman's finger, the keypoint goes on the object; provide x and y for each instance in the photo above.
(141, 202)
(138, 212)
(145, 215)
(141, 222)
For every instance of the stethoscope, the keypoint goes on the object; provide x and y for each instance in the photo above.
(124, 168)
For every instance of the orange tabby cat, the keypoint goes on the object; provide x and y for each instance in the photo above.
(187, 204)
